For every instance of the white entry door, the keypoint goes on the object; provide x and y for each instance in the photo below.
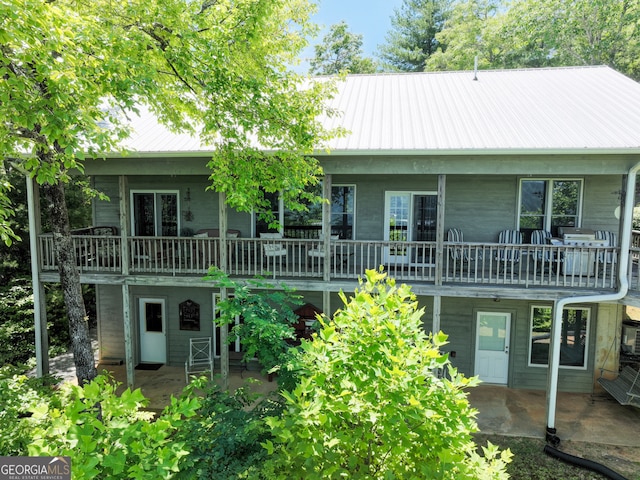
(153, 338)
(492, 347)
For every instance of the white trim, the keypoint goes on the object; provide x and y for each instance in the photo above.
(548, 201)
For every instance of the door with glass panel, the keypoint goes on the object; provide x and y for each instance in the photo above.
(409, 217)
(493, 331)
(153, 336)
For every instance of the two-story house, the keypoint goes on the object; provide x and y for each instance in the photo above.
(493, 194)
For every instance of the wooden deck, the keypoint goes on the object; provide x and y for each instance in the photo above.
(525, 266)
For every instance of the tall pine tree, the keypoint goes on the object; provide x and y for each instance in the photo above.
(412, 38)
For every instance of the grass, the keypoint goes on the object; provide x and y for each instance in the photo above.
(530, 462)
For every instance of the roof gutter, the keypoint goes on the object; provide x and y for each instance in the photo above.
(623, 287)
(393, 152)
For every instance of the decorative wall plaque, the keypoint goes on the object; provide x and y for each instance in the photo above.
(189, 315)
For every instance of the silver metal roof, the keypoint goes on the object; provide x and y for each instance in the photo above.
(573, 109)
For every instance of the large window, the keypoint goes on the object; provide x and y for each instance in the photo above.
(343, 210)
(574, 337)
(308, 224)
(546, 204)
(155, 213)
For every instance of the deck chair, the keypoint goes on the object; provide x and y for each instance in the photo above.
(543, 257)
(200, 358)
(273, 251)
(510, 255)
(318, 250)
(456, 252)
(612, 241)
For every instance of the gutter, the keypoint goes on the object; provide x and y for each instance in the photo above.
(623, 287)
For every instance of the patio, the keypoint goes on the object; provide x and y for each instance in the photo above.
(503, 411)
(580, 417)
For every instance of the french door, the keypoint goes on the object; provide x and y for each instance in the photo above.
(409, 217)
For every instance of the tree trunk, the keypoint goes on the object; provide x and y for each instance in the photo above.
(70, 283)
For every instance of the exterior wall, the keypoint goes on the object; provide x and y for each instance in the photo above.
(480, 205)
(458, 321)
(110, 322)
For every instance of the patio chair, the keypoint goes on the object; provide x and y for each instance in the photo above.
(273, 251)
(457, 253)
(612, 241)
(317, 251)
(508, 255)
(542, 257)
(200, 358)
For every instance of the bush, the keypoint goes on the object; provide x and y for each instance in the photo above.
(370, 402)
(107, 436)
(224, 438)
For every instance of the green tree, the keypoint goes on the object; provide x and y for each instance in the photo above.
(71, 70)
(370, 402)
(573, 32)
(340, 51)
(470, 33)
(412, 38)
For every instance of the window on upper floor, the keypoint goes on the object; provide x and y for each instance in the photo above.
(308, 224)
(547, 203)
(573, 340)
(154, 213)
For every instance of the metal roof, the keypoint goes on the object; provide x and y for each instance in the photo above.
(572, 109)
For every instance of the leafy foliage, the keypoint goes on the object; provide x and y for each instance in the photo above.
(340, 52)
(105, 434)
(267, 316)
(413, 35)
(370, 402)
(224, 438)
(17, 331)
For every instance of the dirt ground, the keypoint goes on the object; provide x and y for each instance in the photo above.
(623, 460)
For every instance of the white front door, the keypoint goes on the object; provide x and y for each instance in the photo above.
(492, 347)
(153, 340)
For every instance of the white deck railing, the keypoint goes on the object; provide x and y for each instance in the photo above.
(462, 263)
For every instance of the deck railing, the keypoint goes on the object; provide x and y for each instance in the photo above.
(462, 263)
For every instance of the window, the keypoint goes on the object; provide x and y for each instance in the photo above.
(546, 204)
(308, 224)
(154, 213)
(343, 201)
(574, 337)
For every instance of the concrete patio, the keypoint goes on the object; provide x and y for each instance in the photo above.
(579, 417)
(504, 411)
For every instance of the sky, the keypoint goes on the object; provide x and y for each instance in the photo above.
(369, 18)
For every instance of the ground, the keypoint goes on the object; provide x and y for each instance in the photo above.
(531, 463)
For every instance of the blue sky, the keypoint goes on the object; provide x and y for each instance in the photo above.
(370, 18)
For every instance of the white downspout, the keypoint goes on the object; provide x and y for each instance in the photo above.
(623, 287)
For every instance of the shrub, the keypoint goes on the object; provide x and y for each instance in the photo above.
(224, 438)
(370, 402)
(108, 435)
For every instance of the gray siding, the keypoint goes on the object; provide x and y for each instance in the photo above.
(458, 320)
(110, 322)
